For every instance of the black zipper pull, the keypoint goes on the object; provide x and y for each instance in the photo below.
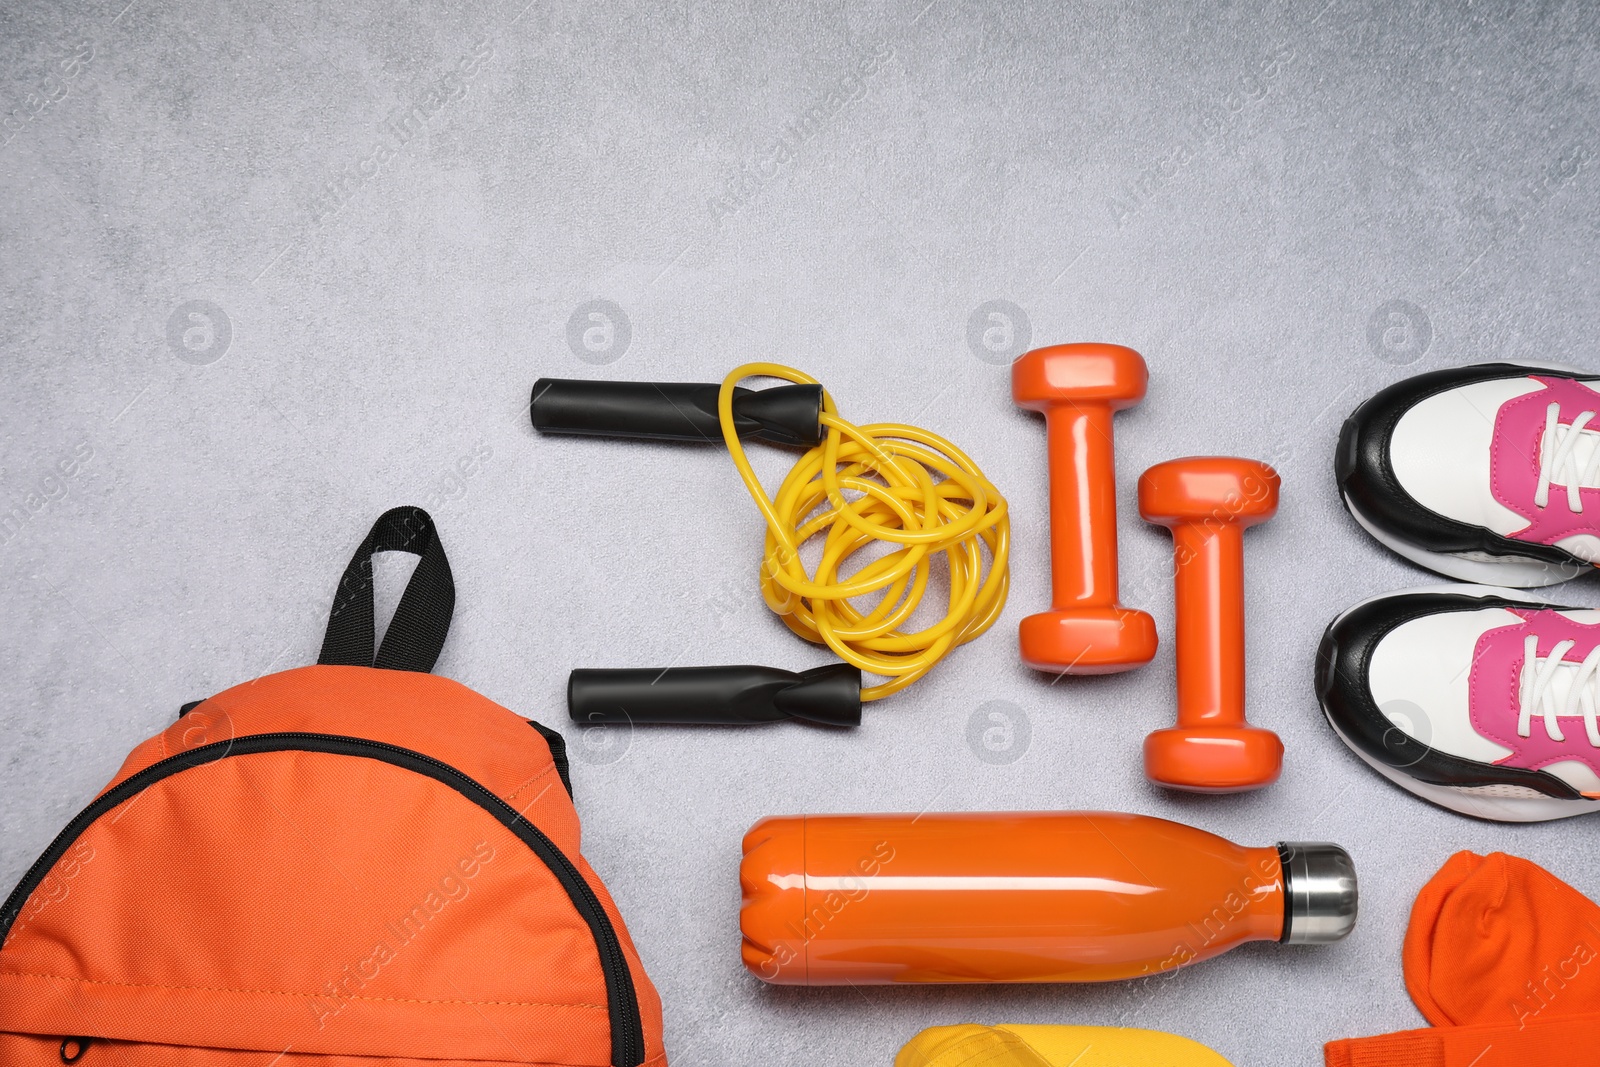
(73, 1048)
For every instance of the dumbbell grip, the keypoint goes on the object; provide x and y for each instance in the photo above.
(1083, 506)
(1208, 558)
(675, 411)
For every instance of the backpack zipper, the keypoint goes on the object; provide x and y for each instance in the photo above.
(627, 1026)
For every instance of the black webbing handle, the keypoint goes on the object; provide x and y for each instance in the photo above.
(416, 633)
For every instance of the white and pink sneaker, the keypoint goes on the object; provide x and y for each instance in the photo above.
(1482, 700)
(1489, 473)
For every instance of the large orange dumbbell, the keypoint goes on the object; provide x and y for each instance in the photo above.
(1078, 387)
(1208, 502)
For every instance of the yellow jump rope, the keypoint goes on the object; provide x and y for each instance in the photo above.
(887, 499)
(884, 483)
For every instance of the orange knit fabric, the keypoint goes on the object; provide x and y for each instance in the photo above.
(1496, 939)
(1504, 959)
(1564, 1042)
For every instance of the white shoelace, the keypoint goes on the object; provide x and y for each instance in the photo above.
(1555, 687)
(1567, 456)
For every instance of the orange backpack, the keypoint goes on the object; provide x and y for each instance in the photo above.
(353, 864)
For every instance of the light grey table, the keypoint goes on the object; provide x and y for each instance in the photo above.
(267, 272)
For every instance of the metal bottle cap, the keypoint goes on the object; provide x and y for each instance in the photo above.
(1320, 897)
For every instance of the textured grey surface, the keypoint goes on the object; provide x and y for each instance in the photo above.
(1284, 207)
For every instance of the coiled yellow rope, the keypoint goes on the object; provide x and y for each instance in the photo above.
(915, 490)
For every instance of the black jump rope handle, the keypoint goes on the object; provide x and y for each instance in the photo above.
(718, 696)
(675, 411)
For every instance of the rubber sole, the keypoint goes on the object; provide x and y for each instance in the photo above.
(1474, 805)
(1517, 572)
(1478, 806)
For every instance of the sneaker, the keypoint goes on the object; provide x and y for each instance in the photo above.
(1481, 700)
(1488, 473)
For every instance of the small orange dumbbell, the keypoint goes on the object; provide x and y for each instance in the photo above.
(1078, 388)
(1208, 502)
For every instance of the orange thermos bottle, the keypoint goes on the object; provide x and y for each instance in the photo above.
(1021, 897)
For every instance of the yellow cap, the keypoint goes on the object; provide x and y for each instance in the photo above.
(971, 1045)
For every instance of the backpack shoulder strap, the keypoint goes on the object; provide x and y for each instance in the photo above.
(421, 622)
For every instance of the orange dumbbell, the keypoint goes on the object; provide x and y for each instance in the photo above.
(1078, 388)
(1208, 502)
